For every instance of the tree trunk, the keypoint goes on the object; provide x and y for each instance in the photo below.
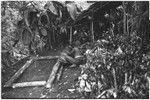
(18, 73)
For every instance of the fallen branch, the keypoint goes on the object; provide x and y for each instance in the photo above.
(52, 75)
(26, 84)
(18, 73)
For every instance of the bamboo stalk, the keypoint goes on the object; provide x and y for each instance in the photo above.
(99, 96)
(53, 75)
(124, 18)
(27, 84)
(59, 73)
(46, 57)
(54, 36)
(114, 76)
(127, 22)
(126, 76)
(70, 35)
(92, 30)
(18, 73)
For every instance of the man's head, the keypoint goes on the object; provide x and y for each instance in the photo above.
(77, 43)
(69, 48)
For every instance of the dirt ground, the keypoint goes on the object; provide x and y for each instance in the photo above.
(40, 71)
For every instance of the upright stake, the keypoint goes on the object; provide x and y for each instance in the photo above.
(54, 36)
(92, 31)
(124, 18)
(115, 78)
(70, 35)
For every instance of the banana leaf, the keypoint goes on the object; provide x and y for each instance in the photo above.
(43, 31)
(26, 37)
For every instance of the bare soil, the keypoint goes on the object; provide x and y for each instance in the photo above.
(40, 71)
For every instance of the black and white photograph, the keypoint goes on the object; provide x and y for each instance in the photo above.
(75, 49)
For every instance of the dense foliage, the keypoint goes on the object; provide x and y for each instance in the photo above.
(118, 62)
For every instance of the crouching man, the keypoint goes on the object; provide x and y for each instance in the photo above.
(72, 55)
(69, 57)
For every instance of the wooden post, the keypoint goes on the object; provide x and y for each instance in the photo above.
(124, 18)
(70, 35)
(18, 73)
(54, 40)
(92, 30)
(149, 15)
(126, 78)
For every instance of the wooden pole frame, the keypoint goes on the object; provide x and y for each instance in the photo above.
(9, 83)
(52, 76)
(29, 84)
(18, 73)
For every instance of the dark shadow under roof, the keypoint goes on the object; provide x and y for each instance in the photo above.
(97, 6)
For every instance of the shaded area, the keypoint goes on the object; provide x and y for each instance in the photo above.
(37, 71)
(40, 71)
(60, 89)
